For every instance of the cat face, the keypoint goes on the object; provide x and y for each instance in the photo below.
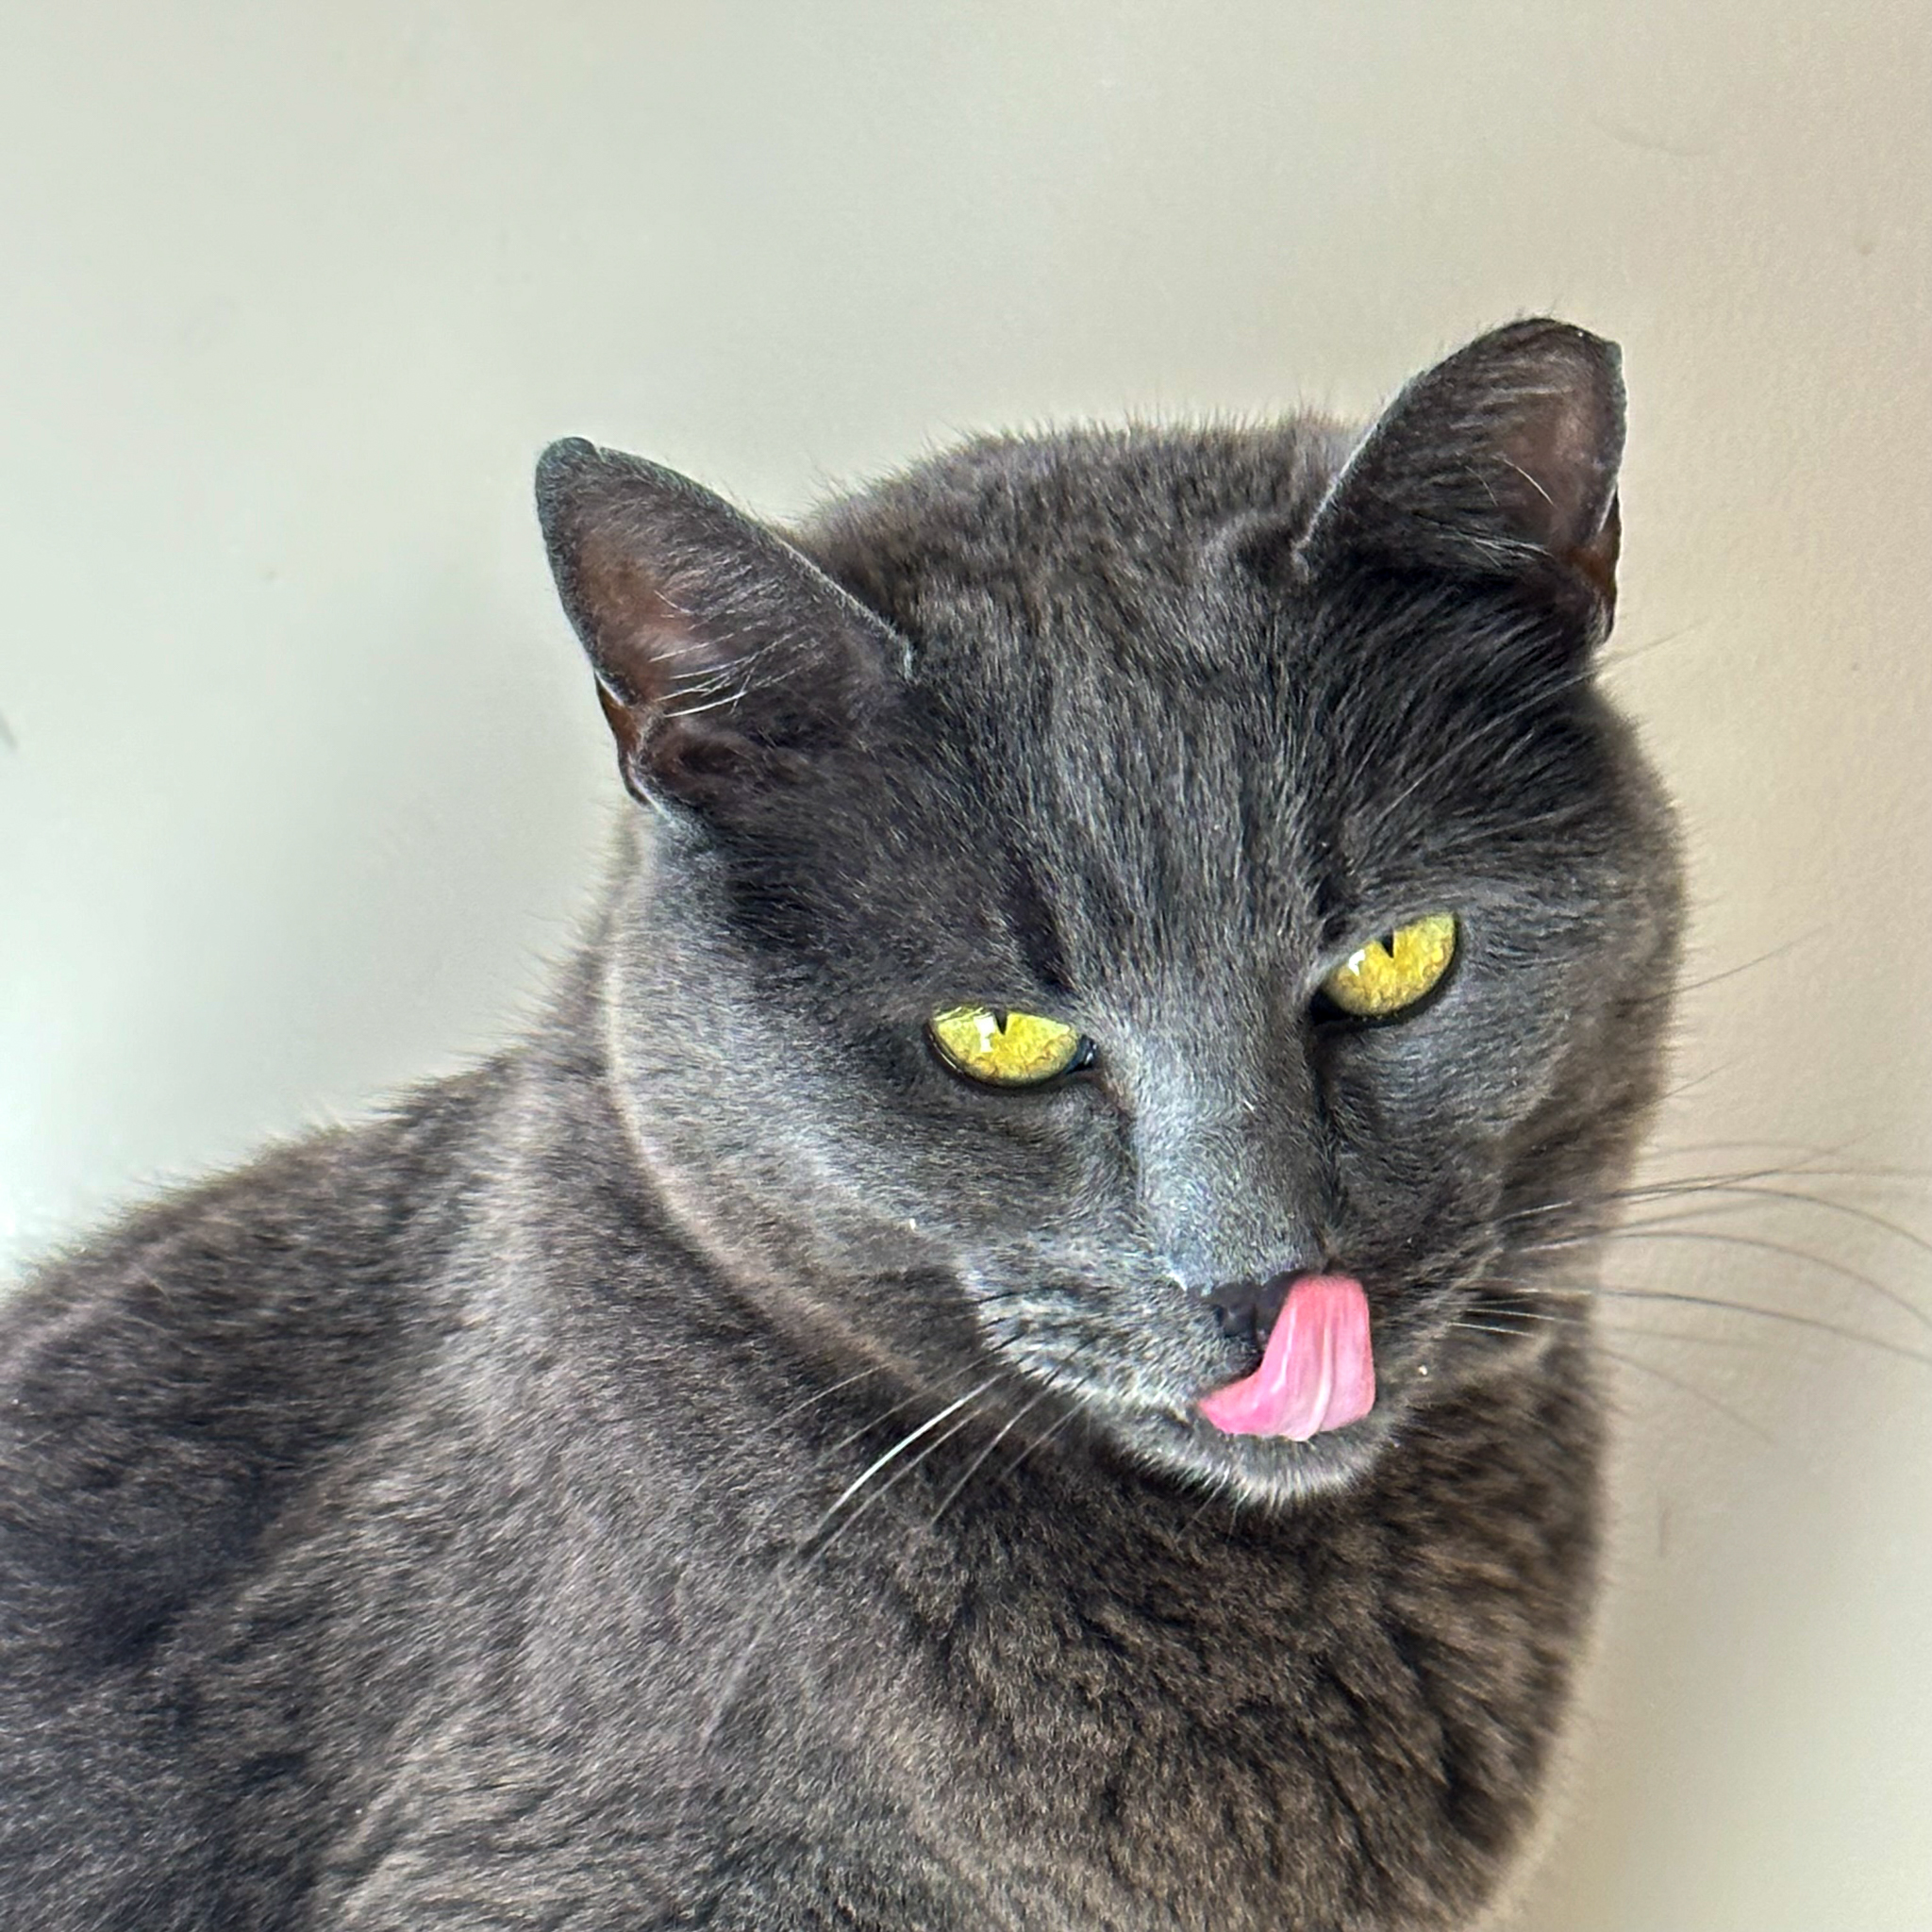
(1148, 735)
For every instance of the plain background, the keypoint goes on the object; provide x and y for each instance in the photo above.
(301, 783)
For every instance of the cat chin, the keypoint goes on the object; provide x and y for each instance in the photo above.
(1258, 1469)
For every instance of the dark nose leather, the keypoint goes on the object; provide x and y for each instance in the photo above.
(1246, 1311)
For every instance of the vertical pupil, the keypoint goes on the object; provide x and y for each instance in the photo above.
(1389, 943)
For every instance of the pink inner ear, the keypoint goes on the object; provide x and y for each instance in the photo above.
(1556, 452)
(1596, 557)
(646, 644)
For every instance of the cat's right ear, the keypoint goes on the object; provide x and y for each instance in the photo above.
(1498, 465)
(726, 661)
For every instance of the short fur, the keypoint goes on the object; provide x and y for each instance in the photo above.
(712, 1465)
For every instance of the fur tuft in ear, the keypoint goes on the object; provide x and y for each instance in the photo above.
(1499, 462)
(723, 658)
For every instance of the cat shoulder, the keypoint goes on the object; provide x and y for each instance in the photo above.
(164, 1382)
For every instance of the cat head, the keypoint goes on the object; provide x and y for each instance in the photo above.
(1091, 884)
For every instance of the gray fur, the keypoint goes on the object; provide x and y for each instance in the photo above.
(439, 1522)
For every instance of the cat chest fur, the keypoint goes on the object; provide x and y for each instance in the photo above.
(1155, 1713)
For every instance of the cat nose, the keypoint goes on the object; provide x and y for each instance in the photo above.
(1246, 1311)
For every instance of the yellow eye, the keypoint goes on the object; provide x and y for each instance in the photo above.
(1004, 1049)
(1394, 971)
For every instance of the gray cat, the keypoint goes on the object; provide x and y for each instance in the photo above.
(995, 1361)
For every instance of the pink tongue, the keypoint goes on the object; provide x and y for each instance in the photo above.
(1317, 1372)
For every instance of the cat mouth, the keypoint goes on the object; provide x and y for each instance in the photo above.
(1303, 1422)
(1305, 1417)
(1317, 1372)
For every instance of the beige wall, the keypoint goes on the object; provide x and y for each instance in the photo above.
(304, 784)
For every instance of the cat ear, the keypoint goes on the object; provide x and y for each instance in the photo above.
(1499, 462)
(725, 659)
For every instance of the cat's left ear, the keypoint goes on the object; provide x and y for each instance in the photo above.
(1499, 464)
(726, 659)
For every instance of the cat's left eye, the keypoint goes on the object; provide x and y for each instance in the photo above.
(1395, 970)
(1001, 1048)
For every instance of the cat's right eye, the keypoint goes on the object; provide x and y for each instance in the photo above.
(1001, 1048)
